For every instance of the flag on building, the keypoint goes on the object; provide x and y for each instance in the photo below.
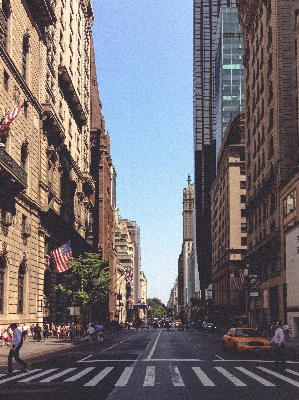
(61, 257)
(129, 277)
(238, 280)
(7, 120)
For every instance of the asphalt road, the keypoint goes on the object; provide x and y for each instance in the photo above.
(151, 364)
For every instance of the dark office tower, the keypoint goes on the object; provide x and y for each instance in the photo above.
(205, 14)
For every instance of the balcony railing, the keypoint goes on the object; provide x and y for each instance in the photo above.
(13, 178)
(43, 10)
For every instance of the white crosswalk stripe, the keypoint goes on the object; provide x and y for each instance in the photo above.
(230, 376)
(79, 374)
(149, 379)
(150, 375)
(58, 375)
(255, 376)
(32, 377)
(203, 377)
(176, 376)
(99, 377)
(280, 376)
(125, 376)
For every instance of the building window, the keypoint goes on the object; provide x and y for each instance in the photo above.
(25, 52)
(243, 185)
(243, 227)
(243, 212)
(289, 203)
(244, 241)
(5, 80)
(20, 292)
(243, 198)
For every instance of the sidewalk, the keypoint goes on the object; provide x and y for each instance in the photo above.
(31, 347)
(292, 348)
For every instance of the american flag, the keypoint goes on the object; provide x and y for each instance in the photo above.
(238, 280)
(61, 257)
(129, 277)
(4, 127)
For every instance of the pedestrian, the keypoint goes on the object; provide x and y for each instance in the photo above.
(278, 347)
(90, 332)
(17, 342)
(78, 330)
(25, 331)
(45, 331)
(37, 332)
(32, 331)
(100, 331)
(58, 331)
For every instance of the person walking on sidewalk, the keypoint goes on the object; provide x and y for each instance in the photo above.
(279, 349)
(17, 342)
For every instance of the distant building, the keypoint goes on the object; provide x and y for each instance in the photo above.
(206, 17)
(185, 270)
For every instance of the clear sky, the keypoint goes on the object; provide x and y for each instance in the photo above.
(144, 52)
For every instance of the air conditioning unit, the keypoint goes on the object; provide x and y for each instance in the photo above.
(7, 220)
(26, 230)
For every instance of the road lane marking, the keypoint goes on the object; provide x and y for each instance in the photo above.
(99, 376)
(125, 376)
(58, 375)
(256, 377)
(31, 378)
(149, 379)
(153, 348)
(284, 378)
(176, 376)
(84, 359)
(79, 374)
(203, 377)
(292, 372)
(111, 347)
(231, 377)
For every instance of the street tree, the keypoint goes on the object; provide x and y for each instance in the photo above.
(158, 309)
(87, 282)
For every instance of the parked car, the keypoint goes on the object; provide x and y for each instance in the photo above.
(245, 339)
(208, 326)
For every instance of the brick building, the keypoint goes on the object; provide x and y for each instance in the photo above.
(271, 130)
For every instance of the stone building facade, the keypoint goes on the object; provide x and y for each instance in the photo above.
(46, 186)
(229, 236)
(272, 144)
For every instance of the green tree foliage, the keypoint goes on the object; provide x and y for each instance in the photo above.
(87, 281)
(158, 308)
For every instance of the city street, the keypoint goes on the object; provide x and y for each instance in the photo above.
(146, 364)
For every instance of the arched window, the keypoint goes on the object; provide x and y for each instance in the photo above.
(21, 275)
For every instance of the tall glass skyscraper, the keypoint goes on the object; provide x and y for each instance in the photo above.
(206, 16)
(229, 70)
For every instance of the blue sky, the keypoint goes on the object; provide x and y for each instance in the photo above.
(144, 51)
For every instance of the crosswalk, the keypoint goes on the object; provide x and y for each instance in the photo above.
(92, 376)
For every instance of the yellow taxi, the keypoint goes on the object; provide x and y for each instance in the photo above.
(245, 340)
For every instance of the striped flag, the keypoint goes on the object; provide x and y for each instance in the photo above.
(6, 121)
(238, 280)
(61, 257)
(129, 277)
